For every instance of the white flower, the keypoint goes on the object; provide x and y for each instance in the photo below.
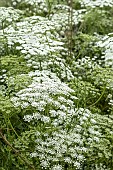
(55, 123)
(68, 160)
(93, 121)
(96, 139)
(53, 113)
(57, 167)
(45, 119)
(33, 155)
(28, 118)
(80, 157)
(24, 104)
(36, 116)
(77, 165)
(63, 107)
(61, 114)
(44, 164)
(34, 104)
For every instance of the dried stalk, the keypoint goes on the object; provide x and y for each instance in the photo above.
(70, 31)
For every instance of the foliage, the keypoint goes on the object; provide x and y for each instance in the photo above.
(97, 20)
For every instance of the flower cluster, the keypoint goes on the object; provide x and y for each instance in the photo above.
(31, 7)
(30, 35)
(66, 130)
(39, 94)
(38, 40)
(107, 43)
(2, 75)
(62, 17)
(9, 15)
(54, 107)
(96, 3)
(60, 147)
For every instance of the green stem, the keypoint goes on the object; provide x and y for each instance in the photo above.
(98, 98)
